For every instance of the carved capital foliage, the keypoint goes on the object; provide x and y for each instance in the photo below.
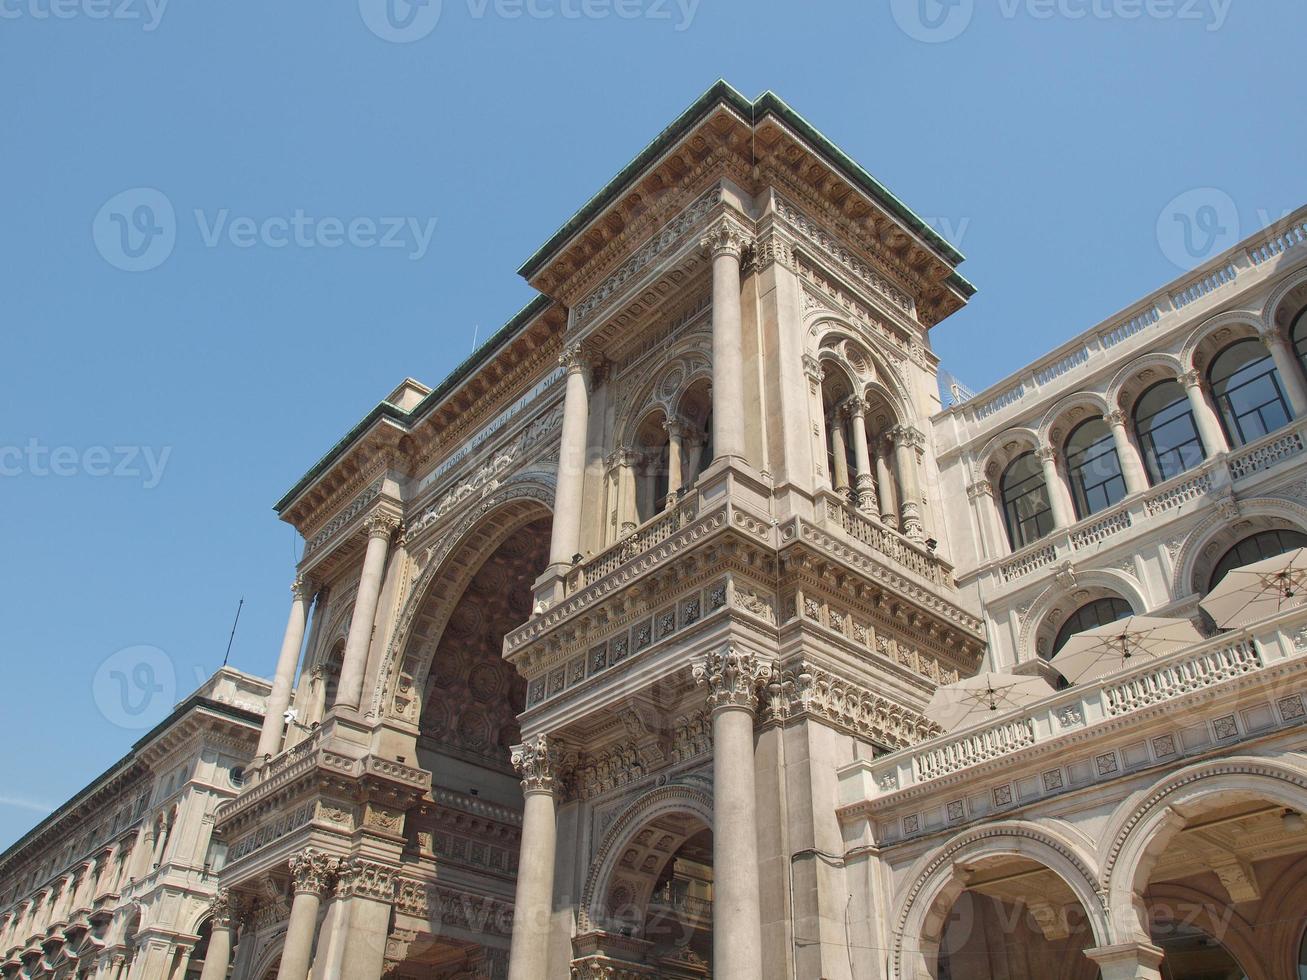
(366, 879)
(573, 358)
(906, 435)
(381, 524)
(1116, 417)
(301, 588)
(1191, 379)
(223, 908)
(1046, 454)
(854, 407)
(725, 237)
(732, 677)
(981, 488)
(311, 870)
(537, 762)
(812, 368)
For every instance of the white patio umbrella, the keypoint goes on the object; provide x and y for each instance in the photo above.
(1259, 590)
(1127, 642)
(975, 700)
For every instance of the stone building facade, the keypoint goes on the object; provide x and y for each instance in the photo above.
(118, 883)
(607, 657)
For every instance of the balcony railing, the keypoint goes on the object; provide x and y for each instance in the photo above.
(1228, 468)
(888, 542)
(1200, 670)
(652, 533)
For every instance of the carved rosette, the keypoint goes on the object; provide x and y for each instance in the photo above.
(362, 878)
(732, 676)
(380, 524)
(311, 870)
(725, 237)
(536, 761)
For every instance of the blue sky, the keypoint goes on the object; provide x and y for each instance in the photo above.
(151, 418)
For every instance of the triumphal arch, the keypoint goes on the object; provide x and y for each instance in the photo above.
(570, 628)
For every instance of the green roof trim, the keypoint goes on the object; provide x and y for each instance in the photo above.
(723, 92)
(387, 410)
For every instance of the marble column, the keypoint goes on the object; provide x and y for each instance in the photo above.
(725, 241)
(380, 526)
(1055, 487)
(675, 436)
(888, 504)
(732, 677)
(1209, 427)
(311, 871)
(364, 896)
(1128, 961)
(1132, 467)
(1290, 371)
(628, 510)
(864, 482)
(906, 440)
(565, 537)
(183, 962)
(840, 474)
(218, 957)
(279, 700)
(536, 760)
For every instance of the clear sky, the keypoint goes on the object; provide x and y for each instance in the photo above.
(150, 418)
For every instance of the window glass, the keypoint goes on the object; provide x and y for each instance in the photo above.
(1248, 392)
(1026, 509)
(1168, 436)
(1264, 544)
(1100, 612)
(1094, 468)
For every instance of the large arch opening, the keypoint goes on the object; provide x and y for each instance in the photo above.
(1015, 918)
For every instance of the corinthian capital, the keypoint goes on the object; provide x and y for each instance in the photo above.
(223, 907)
(379, 524)
(725, 237)
(732, 676)
(536, 761)
(311, 870)
(359, 876)
(573, 358)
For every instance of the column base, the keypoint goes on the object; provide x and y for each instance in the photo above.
(1128, 961)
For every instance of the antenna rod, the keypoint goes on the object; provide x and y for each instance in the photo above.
(233, 631)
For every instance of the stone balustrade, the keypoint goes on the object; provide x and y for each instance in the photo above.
(1207, 671)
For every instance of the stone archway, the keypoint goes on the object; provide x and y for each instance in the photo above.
(1067, 914)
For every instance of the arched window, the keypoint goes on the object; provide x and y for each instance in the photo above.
(1302, 957)
(1100, 612)
(1248, 392)
(1168, 436)
(1298, 337)
(1026, 510)
(1263, 544)
(1094, 468)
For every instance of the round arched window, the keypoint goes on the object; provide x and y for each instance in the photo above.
(1100, 612)
(1168, 436)
(1298, 337)
(1263, 544)
(1248, 392)
(1026, 510)
(1094, 468)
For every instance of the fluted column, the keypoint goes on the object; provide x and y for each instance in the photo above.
(218, 957)
(840, 475)
(864, 482)
(1055, 488)
(565, 539)
(1290, 371)
(906, 440)
(536, 760)
(1132, 467)
(1128, 961)
(732, 677)
(675, 436)
(1209, 428)
(291, 643)
(725, 241)
(380, 526)
(888, 504)
(311, 872)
